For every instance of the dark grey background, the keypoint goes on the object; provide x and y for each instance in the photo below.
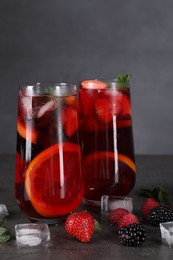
(70, 40)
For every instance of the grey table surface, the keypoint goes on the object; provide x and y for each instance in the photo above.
(151, 170)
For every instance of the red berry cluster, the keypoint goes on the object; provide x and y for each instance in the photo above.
(122, 217)
(130, 231)
(154, 213)
(81, 225)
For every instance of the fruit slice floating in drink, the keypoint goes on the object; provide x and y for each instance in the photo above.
(93, 84)
(101, 170)
(27, 132)
(69, 121)
(58, 192)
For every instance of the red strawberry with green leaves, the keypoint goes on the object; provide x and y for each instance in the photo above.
(80, 225)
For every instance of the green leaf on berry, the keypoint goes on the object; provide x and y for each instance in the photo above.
(158, 193)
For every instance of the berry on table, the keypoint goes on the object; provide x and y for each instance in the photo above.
(80, 225)
(147, 206)
(115, 215)
(127, 219)
(132, 235)
(159, 215)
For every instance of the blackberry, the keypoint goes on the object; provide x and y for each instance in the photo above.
(132, 235)
(159, 215)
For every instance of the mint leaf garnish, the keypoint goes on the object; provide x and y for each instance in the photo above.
(122, 78)
(158, 193)
(5, 235)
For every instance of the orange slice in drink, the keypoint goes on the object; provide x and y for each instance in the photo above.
(53, 182)
(27, 132)
(99, 168)
(89, 159)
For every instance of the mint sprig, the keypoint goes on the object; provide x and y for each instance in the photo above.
(5, 235)
(158, 193)
(122, 78)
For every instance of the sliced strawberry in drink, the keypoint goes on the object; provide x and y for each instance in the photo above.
(104, 110)
(87, 101)
(70, 121)
(126, 105)
(93, 84)
(124, 123)
(121, 103)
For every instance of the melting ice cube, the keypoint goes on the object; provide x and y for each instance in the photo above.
(166, 230)
(3, 213)
(32, 234)
(49, 106)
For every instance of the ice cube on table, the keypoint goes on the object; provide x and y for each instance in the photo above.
(32, 234)
(3, 210)
(109, 203)
(3, 213)
(166, 230)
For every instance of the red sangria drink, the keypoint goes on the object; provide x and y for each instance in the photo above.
(48, 179)
(106, 137)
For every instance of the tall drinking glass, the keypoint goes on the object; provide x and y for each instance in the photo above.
(48, 180)
(106, 138)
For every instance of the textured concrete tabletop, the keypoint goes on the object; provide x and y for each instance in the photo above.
(151, 170)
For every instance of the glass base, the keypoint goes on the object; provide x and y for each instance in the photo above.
(50, 221)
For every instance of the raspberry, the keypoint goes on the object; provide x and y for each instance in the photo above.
(147, 206)
(159, 215)
(132, 235)
(115, 215)
(127, 219)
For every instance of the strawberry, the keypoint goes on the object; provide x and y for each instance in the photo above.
(104, 110)
(127, 219)
(115, 215)
(147, 206)
(70, 121)
(80, 225)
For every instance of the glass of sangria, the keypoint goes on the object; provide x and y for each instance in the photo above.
(106, 137)
(48, 179)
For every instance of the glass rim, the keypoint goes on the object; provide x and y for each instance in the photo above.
(45, 84)
(48, 89)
